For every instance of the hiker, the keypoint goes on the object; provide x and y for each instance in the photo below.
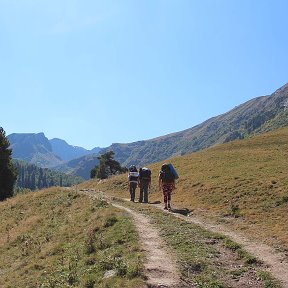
(133, 181)
(144, 182)
(167, 176)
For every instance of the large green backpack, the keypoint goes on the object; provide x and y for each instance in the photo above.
(166, 174)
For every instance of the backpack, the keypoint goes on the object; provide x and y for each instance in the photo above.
(145, 174)
(133, 177)
(166, 174)
(133, 168)
(173, 171)
(133, 174)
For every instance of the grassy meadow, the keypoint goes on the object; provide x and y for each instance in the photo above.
(61, 238)
(242, 184)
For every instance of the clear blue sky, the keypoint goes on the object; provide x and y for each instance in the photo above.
(99, 72)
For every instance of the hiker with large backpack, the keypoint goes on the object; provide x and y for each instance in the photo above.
(144, 182)
(133, 181)
(167, 178)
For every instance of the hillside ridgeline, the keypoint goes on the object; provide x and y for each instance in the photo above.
(261, 114)
(242, 184)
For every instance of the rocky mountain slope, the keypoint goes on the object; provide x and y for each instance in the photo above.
(35, 148)
(68, 152)
(79, 167)
(256, 116)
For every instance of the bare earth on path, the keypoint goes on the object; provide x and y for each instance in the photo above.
(275, 261)
(160, 275)
(160, 268)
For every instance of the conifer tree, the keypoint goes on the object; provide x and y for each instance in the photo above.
(107, 166)
(8, 173)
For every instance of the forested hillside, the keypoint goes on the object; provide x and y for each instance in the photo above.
(32, 177)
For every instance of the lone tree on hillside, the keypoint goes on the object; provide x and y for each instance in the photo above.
(107, 166)
(8, 174)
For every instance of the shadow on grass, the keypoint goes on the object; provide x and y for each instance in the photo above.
(182, 211)
(155, 202)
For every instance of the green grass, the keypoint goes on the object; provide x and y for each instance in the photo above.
(58, 238)
(242, 183)
(206, 259)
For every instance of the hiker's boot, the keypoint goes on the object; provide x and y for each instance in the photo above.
(169, 206)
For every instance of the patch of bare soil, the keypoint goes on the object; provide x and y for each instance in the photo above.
(161, 271)
(233, 264)
(274, 261)
(160, 265)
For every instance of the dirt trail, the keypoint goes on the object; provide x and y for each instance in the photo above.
(155, 250)
(276, 262)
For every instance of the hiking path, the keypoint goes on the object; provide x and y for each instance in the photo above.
(155, 250)
(157, 253)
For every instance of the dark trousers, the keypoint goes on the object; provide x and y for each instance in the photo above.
(132, 188)
(143, 197)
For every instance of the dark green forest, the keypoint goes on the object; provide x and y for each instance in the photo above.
(32, 177)
(8, 173)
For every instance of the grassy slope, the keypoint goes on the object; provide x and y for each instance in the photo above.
(243, 184)
(59, 238)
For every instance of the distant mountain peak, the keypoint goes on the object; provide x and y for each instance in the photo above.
(66, 151)
(35, 148)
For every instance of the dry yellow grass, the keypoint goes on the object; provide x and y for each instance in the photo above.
(242, 183)
(60, 238)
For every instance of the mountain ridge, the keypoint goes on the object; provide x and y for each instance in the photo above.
(36, 148)
(255, 116)
(242, 121)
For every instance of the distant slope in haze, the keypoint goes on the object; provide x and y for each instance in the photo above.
(68, 152)
(79, 167)
(34, 148)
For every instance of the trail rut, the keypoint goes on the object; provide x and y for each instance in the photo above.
(160, 268)
(168, 276)
(275, 261)
(159, 275)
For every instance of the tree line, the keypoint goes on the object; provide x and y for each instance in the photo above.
(33, 177)
(8, 173)
(21, 175)
(18, 175)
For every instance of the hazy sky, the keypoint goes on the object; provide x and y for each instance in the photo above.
(99, 72)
